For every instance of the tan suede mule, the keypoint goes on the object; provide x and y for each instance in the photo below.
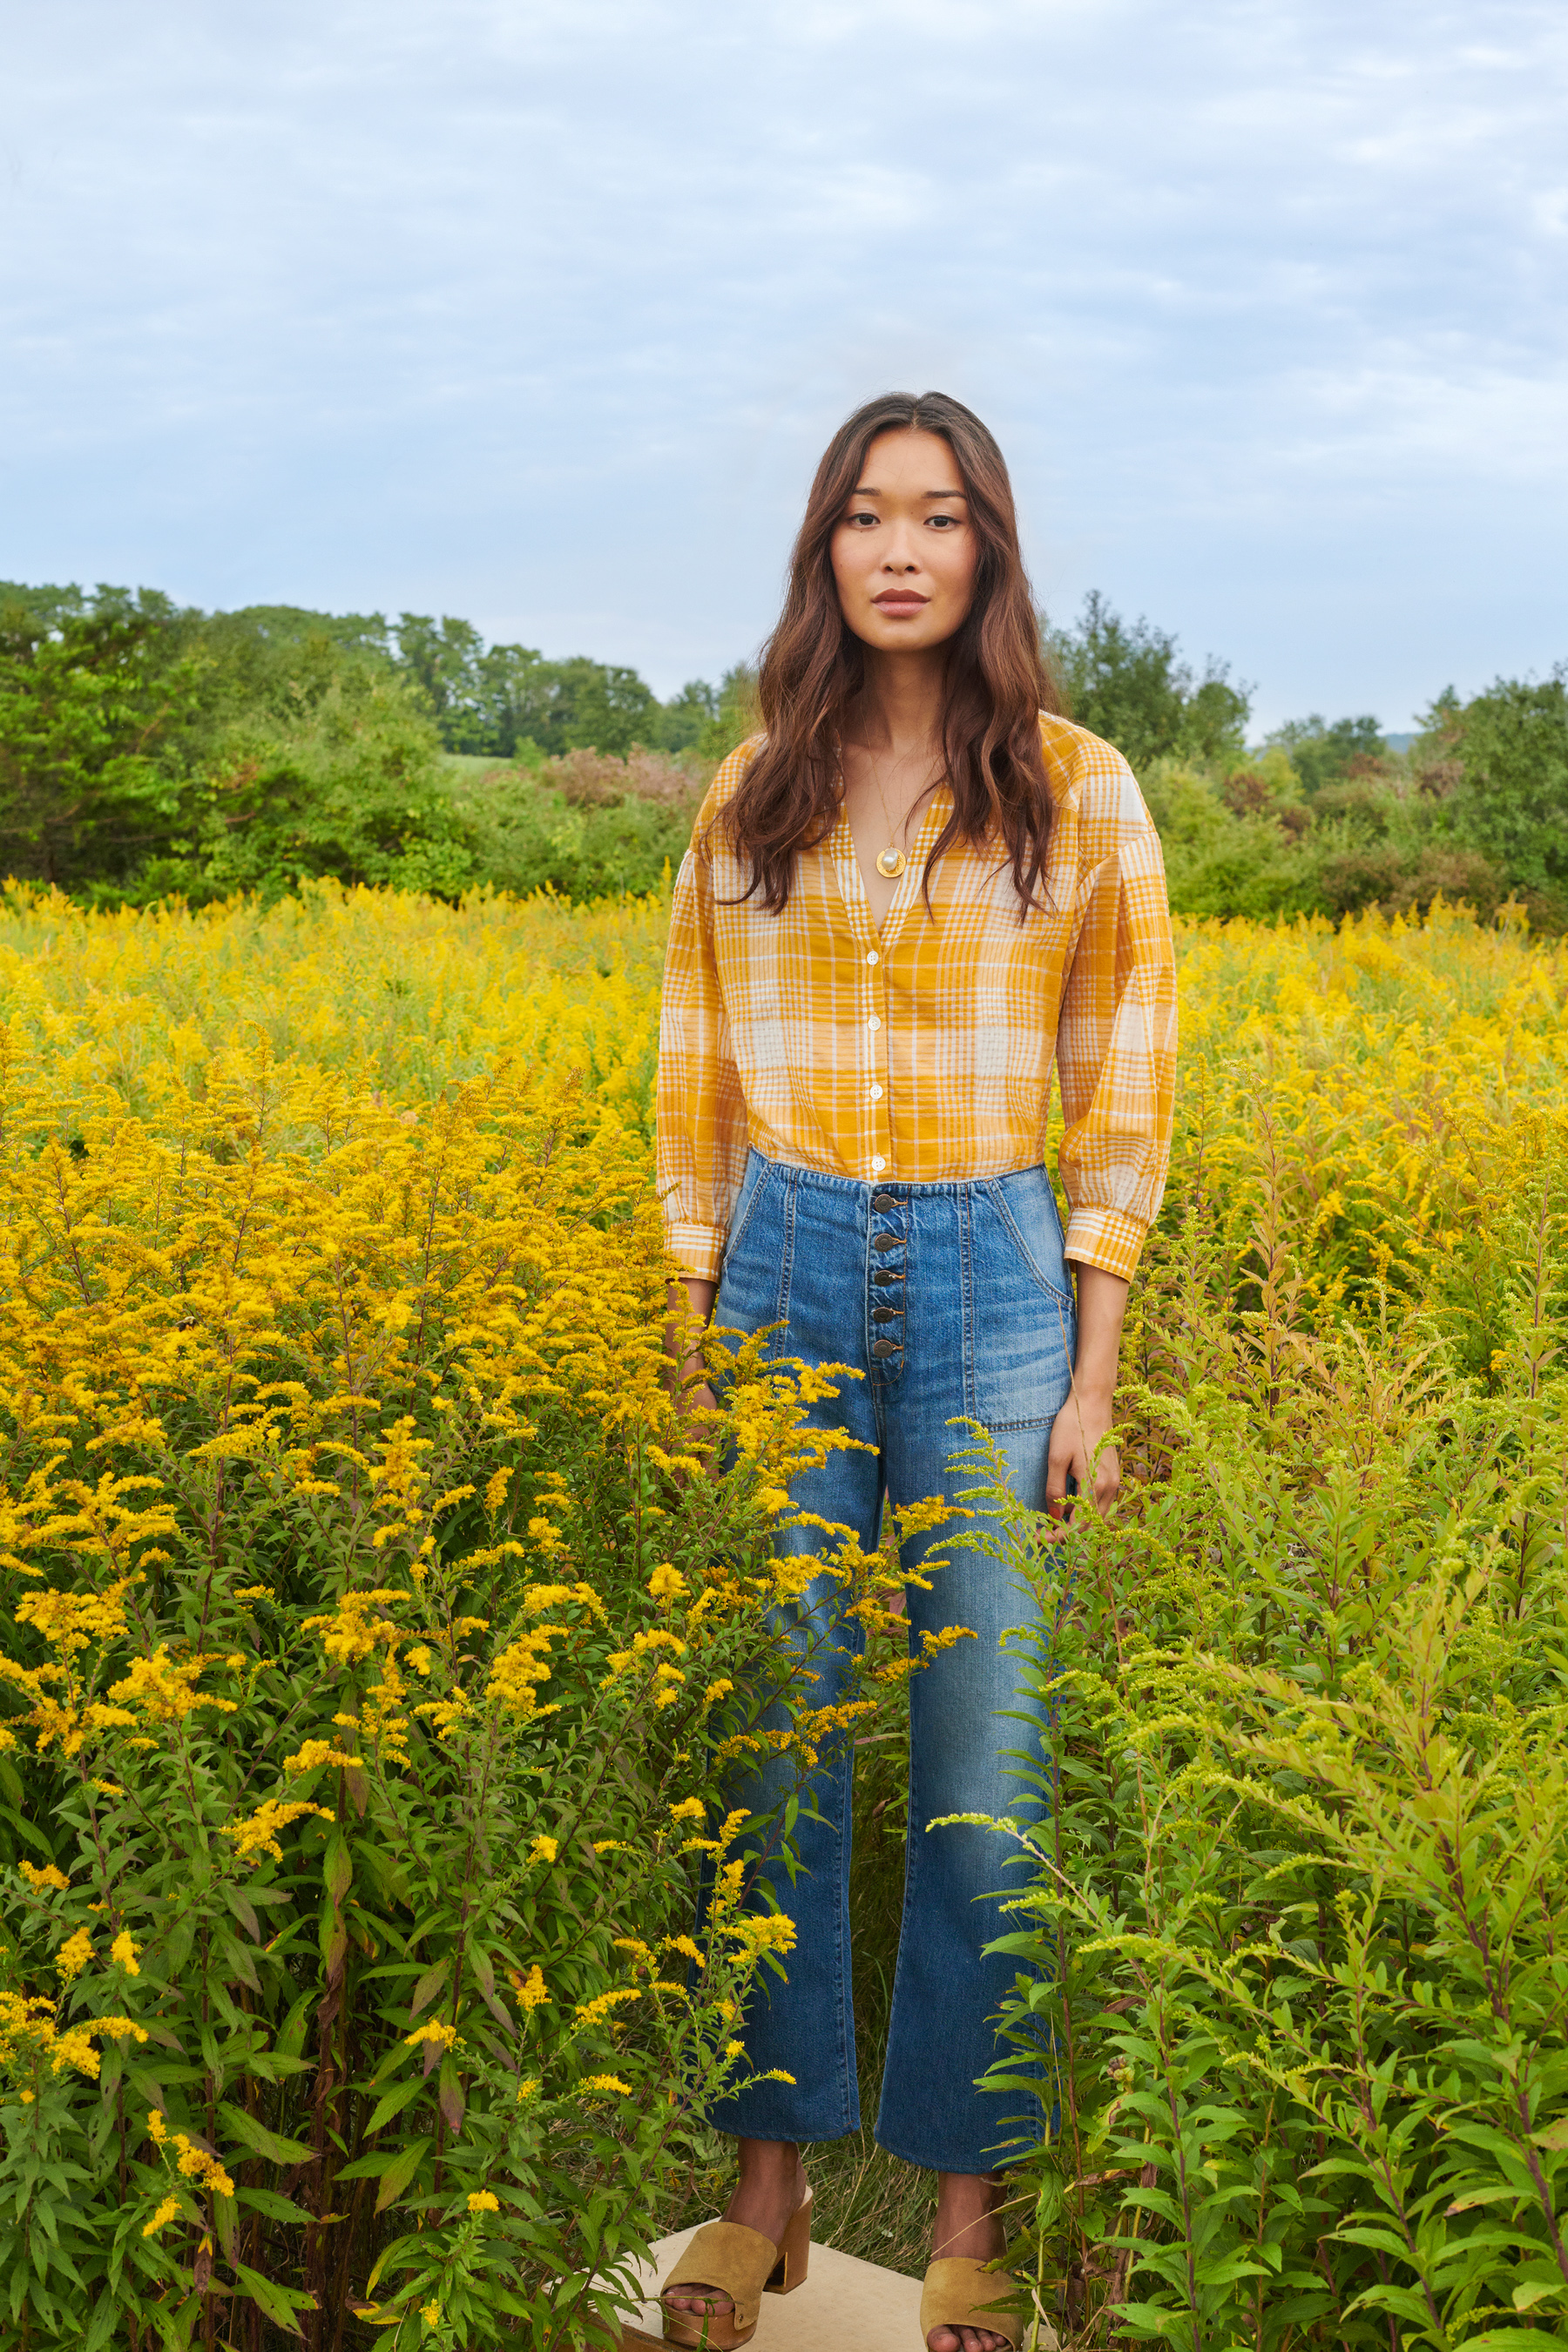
(962, 2293)
(742, 2264)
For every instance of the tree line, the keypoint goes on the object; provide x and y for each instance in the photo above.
(149, 750)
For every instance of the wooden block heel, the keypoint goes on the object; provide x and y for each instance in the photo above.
(794, 2252)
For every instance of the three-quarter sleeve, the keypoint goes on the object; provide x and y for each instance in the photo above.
(1116, 1051)
(701, 1110)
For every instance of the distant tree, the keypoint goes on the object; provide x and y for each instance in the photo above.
(735, 714)
(93, 694)
(1126, 681)
(1323, 754)
(445, 658)
(1512, 801)
(682, 720)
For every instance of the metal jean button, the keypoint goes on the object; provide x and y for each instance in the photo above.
(884, 1347)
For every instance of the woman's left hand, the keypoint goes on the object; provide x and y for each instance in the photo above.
(1075, 1435)
(1078, 1430)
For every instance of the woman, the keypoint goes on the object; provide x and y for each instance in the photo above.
(916, 890)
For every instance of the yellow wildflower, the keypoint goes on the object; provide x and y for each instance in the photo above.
(544, 1848)
(535, 1991)
(164, 2214)
(592, 2012)
(317, 1752)
(258, 1832)
(447, 2036)
(46, 1875)
(123, 1952)
(74, 1954)
(481, 2201)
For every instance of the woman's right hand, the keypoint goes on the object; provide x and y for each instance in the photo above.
(698, 1397)
(688, 1301)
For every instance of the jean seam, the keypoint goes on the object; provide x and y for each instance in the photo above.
(733, 1239)
(966, 1277)
(786, 1258)
(998, 1201)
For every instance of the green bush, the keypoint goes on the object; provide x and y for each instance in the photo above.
(1512, 804)
(1296, 1944)
(586, 826)
(372, 1659)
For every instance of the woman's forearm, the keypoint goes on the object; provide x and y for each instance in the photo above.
(1102, 1308)
(688, 1299)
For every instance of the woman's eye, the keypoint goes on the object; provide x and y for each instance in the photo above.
(856, 520)
(944, 523)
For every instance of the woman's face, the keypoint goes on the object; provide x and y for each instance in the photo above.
(904, 550)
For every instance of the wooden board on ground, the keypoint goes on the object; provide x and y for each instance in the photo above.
(842, 2305)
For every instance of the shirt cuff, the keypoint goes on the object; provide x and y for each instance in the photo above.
(1106, 1237)
(696, 1249)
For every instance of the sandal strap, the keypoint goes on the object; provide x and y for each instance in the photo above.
(733, 2260)
(962, 2293)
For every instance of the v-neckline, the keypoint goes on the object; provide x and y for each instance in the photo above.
(852, 882)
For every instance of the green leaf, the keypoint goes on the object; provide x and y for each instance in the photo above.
(278, 2303)
(399, 2173)
(338, 1868)
(262, 2142)
(428, 1986)
(273, 2206)
(393, 2103)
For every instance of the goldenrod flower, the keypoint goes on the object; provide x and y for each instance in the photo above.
(447, 2036)
(164, 2214)
(317, 1752)
(74, 1954)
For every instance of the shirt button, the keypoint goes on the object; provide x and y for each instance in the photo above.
(873, 957)
(877, 1096)
(877, 1160)
(875, 1022)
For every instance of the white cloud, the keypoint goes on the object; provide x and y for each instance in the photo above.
(540, 310)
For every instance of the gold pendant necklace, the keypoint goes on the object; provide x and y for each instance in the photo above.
(891, 861)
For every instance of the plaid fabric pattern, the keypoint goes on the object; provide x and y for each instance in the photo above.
(925, 1052)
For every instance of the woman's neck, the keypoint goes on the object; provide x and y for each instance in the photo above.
(899, 710)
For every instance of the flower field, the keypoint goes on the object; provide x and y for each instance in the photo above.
(373, 1660)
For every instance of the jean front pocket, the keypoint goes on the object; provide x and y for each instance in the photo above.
(753, 1280)
(1023, 1326)
(745, 1201)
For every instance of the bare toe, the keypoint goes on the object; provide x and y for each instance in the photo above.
(712, 2302)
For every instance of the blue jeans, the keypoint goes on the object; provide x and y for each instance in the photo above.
(951, 1300)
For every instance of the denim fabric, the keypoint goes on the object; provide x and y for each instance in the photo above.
(968, 1282)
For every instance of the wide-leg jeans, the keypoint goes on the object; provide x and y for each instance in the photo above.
(952, 1300)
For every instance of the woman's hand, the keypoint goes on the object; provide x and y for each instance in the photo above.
(689, 1300)
(1075, 1435)
(1080, 1428)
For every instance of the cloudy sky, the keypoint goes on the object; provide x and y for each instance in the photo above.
(539, 312)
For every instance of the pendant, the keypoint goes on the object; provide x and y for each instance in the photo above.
(891, 863)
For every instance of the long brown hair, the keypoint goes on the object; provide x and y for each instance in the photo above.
(814, 667)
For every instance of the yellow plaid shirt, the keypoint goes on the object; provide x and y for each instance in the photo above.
(925, 1052)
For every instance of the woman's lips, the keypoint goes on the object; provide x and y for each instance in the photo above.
(901, 601)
